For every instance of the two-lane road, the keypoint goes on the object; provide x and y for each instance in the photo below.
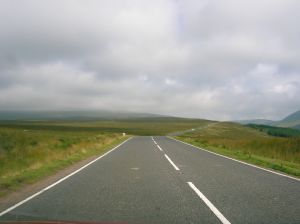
(160, 180)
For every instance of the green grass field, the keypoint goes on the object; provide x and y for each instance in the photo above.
(140, 126)
(250, 145)
(29, 155)
(31, 150)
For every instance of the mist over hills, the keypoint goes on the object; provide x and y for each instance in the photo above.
(291, 121)
(73, 115)
(292, 117)
(255, 121)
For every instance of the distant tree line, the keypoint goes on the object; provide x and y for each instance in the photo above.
(275, 131)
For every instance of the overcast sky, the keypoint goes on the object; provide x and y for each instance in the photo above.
(217, 59)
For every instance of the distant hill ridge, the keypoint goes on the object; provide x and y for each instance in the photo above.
(72, 115)
(292, 117)
(291, 121)
(255, 121)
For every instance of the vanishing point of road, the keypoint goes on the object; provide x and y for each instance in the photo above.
(161, 180)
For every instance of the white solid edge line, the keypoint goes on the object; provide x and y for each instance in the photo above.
(248, 164)
(59, 181)
(209, 204)
(173, 164)
(155, 142)
(159, 147)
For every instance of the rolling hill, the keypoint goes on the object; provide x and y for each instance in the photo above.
(73, 115)
(291, 121)
(255, 121)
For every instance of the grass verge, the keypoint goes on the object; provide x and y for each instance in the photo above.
(28, 156)
(249, 145)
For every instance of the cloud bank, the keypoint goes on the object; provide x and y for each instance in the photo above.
(217, 59)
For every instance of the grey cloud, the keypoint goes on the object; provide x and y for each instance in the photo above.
(212, 58)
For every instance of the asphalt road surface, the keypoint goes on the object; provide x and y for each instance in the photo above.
(160, 180)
